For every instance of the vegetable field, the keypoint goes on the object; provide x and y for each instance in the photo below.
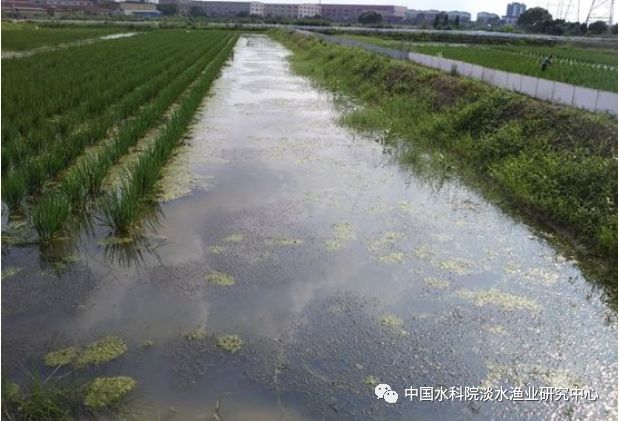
(71, 115)
(585, 67)
(19, 37)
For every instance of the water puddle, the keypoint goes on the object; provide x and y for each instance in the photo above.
(308, 269)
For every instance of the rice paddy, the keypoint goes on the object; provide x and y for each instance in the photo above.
(578, 66)
(65, 127)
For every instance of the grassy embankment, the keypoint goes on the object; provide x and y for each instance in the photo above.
(554, 164)
(57, 148)
(26, 36)
(578, 66)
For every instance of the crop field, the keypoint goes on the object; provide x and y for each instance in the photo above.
(585, 67)
(19, 37)
(66, 126)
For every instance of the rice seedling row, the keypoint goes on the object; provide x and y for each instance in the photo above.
(123, 209)
(29, 177)
(83, 180)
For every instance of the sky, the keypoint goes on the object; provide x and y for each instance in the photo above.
(492, 6)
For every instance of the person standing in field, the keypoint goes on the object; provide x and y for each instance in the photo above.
(546, 63)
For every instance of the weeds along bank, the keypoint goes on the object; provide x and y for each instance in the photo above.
(66, 126)
(554, 163)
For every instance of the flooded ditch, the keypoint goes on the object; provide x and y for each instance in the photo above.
(295, 265)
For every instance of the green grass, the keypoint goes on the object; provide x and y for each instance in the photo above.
(584, 67)
(26, 36)
(555, 164)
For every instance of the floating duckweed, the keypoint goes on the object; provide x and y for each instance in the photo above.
(61, 357)
(343, 233)
(10, 392)
(407, 207)
(436, 283)
(217, 249)
(394, 257)
(540, 275)
(148, 344)
(394, 323)
(457, 266)
(371, 381)
(12, 271)
(101, 351)
(220, 278)
(114, 241)
(423, 252)
(286, 242)
(230, 343)
(497, 329)
(511, 268)
(502, 299)
(233, 238)
(197, 334)
(103, 392)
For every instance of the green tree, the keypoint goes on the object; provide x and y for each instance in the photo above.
(457, 21)
(598, 27)
(370, 18)
(536, 19)
(437, 20)
(445, 20)
(197, 11)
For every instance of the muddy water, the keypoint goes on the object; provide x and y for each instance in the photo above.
(335, 266)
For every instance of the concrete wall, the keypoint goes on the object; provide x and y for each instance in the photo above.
(548, 90)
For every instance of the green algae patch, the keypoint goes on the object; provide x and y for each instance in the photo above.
(436, 283)
(11, 392)
(101, 351)
(546, 277)
(394, 324)
(457, 266)
(61, 357)
(286, 242)
(342, 234)
(234, 238)
(230, 343)
(394, 257)
(371, 381)
(148, 344)
(105, 392)
(9, 272)
(220, 278)
(500, 299)
(497, 329)
(216, 250)
(197, 334)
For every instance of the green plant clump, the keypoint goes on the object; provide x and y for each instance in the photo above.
(105, 392)
(230, 343)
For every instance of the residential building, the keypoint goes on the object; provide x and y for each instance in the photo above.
(465, 17)
(514, 10)
(309, 10)
(485, 18)
(281, 10)
(351, 12)
(139, 9)
(23, 7)
(422, 17)
(224, 9)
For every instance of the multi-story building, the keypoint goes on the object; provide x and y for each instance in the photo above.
(309, 10)
(351, 12)
(281, 10)
(220, 9)
(514, 10)
(485, 18)
(256, 8)
(422, 17)
(139, 9)
(464, 17)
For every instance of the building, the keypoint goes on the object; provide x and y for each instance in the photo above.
(139, 9)
(464, 17)
(485, 18)
(514, 10)
(421, 17)
(17, 8)
(281, 10)
(351, 12)
(309, 10)
(227, 9)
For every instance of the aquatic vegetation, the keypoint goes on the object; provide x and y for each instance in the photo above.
(436, 283)
(287, 242)
(9, 272)
(105, 392)
(101, 351)
(394, 324)
(457, 266)
(148, 344)
(371, 380)
(233, 238)
(394, 257)
(220, 278)
(61, 357)
(541, 275)
(114, 241)
(342, 234)
(497, 329)
(198, 334)
(525, 374)
(216, 249)
(230, 343)
(500, 299)
(49, 215)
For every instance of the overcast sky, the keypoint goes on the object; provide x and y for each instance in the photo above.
(473, 6)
